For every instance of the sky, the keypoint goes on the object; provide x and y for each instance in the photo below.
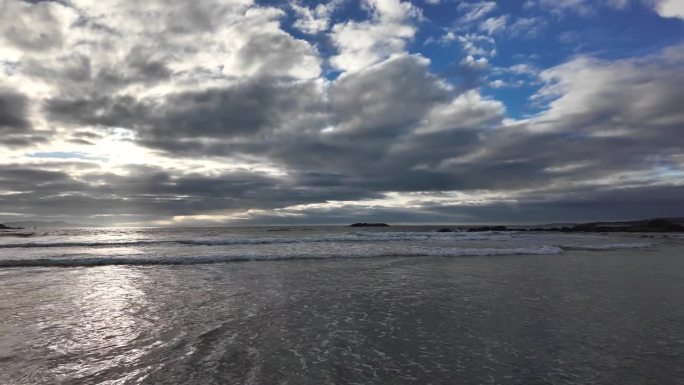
(245, 112)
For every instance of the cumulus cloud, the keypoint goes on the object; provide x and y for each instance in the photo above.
(316, 19)
(370, 41)
(670, 8)
(615, 98)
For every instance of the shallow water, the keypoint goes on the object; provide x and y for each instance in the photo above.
(586, 309)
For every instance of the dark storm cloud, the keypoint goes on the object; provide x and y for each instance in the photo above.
(13, 112)
(112, 111)
(31, 185)
(16, 129)
(151, 192)
(375, 115)
(245, 108)
(387, 99)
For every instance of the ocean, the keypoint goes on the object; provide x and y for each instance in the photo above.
(340, 305)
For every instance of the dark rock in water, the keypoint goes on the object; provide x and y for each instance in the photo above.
(364, 224)
(444, 230)
(4, 227)
(18, 235)
(488, 228)
(12, 233)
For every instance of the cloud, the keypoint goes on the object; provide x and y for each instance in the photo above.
(526, 26)
(615, 98)
(16, 128)
(33, 27)
(670, 8)
(13, 111)
(98, 63)
(475, 10)
(475, 44)
(494, 24)
(602, 205)
(664, 8)
(387, 98)
(314, 20)
(367, 42)
(216, 110)
(391, 128)
(561, 7)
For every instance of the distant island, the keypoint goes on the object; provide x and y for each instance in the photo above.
(661, 225)
(364, 224)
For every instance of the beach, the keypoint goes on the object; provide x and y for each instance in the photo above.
(608, 310)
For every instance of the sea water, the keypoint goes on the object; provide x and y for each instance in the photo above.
(338, 305)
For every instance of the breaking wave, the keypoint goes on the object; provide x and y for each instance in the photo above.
(197, 260)
(354, 237)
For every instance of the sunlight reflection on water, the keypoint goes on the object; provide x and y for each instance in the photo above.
(102, 313)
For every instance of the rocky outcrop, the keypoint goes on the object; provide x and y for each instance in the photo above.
(488, 228)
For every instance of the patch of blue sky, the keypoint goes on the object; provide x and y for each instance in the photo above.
(534, 36)
(66, 155)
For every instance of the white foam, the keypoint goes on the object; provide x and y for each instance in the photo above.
(344, 238)
(609, 246)
(537, 250)
(70, 261)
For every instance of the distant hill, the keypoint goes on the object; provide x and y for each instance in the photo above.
(45, 225)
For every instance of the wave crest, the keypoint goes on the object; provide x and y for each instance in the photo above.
(353, 237)
(197, 260)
